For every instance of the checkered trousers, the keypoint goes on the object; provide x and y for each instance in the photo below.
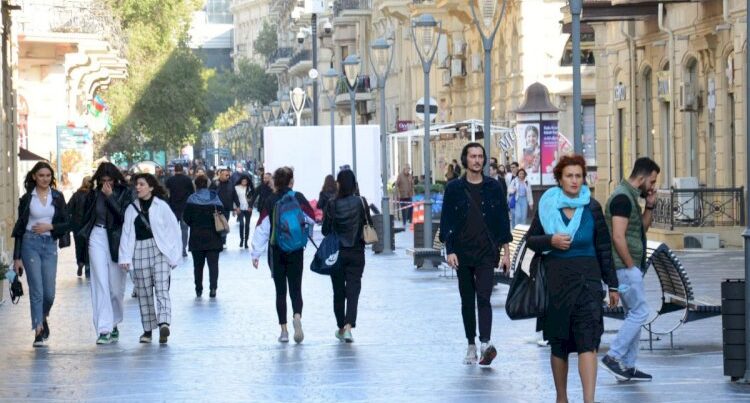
(151, 273)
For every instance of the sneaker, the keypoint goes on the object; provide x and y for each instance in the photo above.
(488, 354)
(134, 294)
(636, 375)
(212, 293)
(45, 330)
(38, 340)
(471, 355)
(115, 335)
(145, 337)
(284, 337)
(615, 367)
(163, 333)
(298, 334)
(339, 336)
(104, 338)
(542, 343)
(184, 254)
(348, 336)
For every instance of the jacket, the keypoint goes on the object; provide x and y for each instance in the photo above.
(264, 228)
(77, 210)
(515, 184)
(163, 225)
(324, 198)
(116, 204)
(226, 193)
(346, 217)
(199, 216)
(405, 186)
(249, 196)
(60, 221)
(262, 193)
(180, 188)
(634, 234)
(456, 203)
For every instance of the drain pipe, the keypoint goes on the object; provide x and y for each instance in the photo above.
(631, 66)
(672, 103)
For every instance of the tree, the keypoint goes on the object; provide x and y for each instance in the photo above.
(267, 41)
(253, 84)
(230, 117)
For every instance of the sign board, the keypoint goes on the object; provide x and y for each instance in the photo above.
(314, 6)
(75, 155)
(420, 109)
(404, 125)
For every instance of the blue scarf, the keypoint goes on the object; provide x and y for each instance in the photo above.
(555, 199)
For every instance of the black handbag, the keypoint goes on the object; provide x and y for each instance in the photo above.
(527, 297)
(16, 290)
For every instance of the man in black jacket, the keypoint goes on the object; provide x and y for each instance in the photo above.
(228, 197)
(180, 188)
(473, 226)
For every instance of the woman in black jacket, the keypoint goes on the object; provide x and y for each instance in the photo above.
(570, 236)
(345, 216)
(327, 193)
(205, 243)
(244, 195)
(76, 209)
(42, 223)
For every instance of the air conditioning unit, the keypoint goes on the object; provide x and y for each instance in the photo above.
(459, 46)
(687, 205)
(701, 241)
(688, 99)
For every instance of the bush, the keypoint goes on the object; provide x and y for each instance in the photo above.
(434, 188)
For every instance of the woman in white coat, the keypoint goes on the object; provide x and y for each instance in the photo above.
(151, 249)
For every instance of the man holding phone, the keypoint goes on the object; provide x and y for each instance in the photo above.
(628, 226)
(473, 226)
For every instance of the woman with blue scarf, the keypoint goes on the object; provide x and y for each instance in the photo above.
(569, 233)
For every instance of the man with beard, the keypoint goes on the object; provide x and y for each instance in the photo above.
(628, 226)
(473, 225)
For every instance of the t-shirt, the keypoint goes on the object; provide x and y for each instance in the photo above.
(620, 206)
(476, 248)
(101, 209)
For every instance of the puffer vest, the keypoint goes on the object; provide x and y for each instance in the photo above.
(634, 235)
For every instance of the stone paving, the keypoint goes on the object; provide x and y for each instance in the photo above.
(408, 344)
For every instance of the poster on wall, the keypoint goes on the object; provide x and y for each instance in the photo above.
(550, 152)
(528, 150)
(75, 155)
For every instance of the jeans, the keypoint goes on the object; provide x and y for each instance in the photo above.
(347, 284)
(286, 269)
(520, 212)
(200, 257)
(406, 212)
(39, 256)
(475, 286)
(627, 343)
(244, 221)
(184, 229)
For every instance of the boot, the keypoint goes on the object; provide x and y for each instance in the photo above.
(247, 236)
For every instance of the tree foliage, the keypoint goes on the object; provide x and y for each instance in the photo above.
(267, 41)
(235, 114)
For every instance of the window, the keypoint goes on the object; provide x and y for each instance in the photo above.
(587, 50)
(589, 131)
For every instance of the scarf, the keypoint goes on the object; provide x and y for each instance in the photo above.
(205, 197)
(555, 199)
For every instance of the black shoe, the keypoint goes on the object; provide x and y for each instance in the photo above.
(198, 293)
(88, 273)
(45, 330)
(246, 247)
(38, 340)
(212, 293)
(636, 375)
(616, 368)
(184, 254)
(79, 273)
(242, 242)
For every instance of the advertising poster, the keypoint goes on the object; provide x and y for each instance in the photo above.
(528, 150)
(549, 151)
(75, 155)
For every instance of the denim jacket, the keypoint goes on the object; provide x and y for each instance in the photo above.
(456, 203)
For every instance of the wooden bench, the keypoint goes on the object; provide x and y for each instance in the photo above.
(514, 248)
(676, 293)
(434, 254)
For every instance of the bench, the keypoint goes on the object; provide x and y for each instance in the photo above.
(514, 248)
(676, 293)
(433, 254)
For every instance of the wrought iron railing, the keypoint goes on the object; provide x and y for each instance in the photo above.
(703, 207)
(342, 5)
(301, 55)
(281, 53)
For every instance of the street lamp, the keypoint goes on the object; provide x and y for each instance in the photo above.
(298, 97)
(746, 234)
(381, 58)
(352, 67)
(425, 32)
(275, 110)
(285, 107)
(576, 7)
(487, 29)
(330, 79)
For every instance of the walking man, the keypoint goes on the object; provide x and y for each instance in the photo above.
(405, 190)
(473, 225)
(180, 187)
(228, 197)
(628, 226)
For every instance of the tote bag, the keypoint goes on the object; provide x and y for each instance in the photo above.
(527, 297)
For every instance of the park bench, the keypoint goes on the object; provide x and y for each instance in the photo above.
(434, 254)
(515, 247)
(677, 293)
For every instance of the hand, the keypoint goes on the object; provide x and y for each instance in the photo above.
(614, 298)
(18, 267)
(107, 189)
(505, 264)
(40, 228)
(651, 198)
(256, 262)
(452, 260)
(561, 241)
(125, 266)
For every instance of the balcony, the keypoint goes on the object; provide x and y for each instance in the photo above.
(362, 91)
(352, 8)
(279, 61)
(301, 62)
(613, 10)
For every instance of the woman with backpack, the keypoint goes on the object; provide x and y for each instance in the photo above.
(205, 243)
(42, 225)
(345, 216)
(283, 227)
(149, 247)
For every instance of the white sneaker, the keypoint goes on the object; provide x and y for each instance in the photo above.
(488, 353)
(298, 334)
(542, 343)
(471, 355)
(284, 337)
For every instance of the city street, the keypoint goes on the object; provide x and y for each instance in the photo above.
(409, 344)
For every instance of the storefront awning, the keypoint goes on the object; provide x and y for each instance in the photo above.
(26, 155)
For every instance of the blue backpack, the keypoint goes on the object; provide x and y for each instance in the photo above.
(289, 229)
(326, 258)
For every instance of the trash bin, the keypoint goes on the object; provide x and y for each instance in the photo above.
(733, 327)
(377, 222)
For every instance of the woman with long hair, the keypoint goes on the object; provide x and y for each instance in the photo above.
(103, 218)
(521, 188)
(346, 216)
(76, 208)
(205, 243)
(245, 191)
(42, 224)
(327, 193)
(150, 248)
(569, 234)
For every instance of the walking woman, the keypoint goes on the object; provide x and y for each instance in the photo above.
(327, 193)
(150, 248)
(103, 218)
(205, 243)
(570, 234)
(42, 223)
(345, 216)
(524, 199)
(76, 209)
(244, 191)
(286, 266)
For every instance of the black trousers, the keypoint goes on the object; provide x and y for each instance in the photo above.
(286, 269)
(407, 212)
(199, 259)
(475, 285)
(82, 247)
(347, 283)
(244, 220)
(226, 212)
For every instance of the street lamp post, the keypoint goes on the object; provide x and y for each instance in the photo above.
(487, 29)
(275, 111)
(285, 107)
(298, 97)
(746, 234)
(576, 7)
(352, 68)
(330, 79)
(424, 29)
(382, 56)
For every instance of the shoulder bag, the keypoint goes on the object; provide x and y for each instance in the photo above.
(220, 222)
(527, 296)
(368, 231)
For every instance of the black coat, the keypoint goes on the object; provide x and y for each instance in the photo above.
(226, 193)
(60, 221)
(346, 217)
(116, 204)
(203, 235)
(77, 210)
(262, 193)
(180, 188)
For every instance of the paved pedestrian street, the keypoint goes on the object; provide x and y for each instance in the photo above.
(409, 344)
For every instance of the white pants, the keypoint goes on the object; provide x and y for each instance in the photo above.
(107, 283)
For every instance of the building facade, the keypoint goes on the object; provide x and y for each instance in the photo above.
(248, 17)
(8, 129)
